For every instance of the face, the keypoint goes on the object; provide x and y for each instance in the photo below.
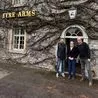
(71, 44)
(79, 40)
(61, 41)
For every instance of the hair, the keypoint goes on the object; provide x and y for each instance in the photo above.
(79, 38)
(72, 42)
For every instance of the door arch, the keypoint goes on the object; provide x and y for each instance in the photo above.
(75, 31)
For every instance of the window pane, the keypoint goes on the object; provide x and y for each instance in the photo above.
(22, 32)
(79, 34)
(16, 42)
(73, 34)
(17, 1)
(68, 34)
(16, 31)
(21, 46)
(22, 38)
(22, 42)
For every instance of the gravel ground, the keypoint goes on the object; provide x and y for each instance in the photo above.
(20, 82)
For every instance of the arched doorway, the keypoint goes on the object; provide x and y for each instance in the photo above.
(74, 31)
(71, 33)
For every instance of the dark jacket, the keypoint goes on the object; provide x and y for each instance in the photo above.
(74, 52)
(61, 51)
(84, 51)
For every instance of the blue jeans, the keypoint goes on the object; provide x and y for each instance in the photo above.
(60, 67)
(72, 67)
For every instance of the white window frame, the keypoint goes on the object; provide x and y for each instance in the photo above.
(19, 3)
(11, 42)
(85, 36)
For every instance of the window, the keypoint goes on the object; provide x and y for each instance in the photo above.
(73, 31)
(19, 37)
(17, 40)
(16, 3)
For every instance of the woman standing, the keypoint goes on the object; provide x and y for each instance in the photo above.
(72, 55)
(60, 58)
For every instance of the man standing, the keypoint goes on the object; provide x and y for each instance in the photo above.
(84, 54)
(60, 57)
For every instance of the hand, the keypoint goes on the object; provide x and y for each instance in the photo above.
(69, 58)
(72, 58)
(89, 60)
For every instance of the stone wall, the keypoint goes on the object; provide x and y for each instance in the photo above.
(44, 30)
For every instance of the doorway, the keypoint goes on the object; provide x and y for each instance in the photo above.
(71, 33)
(78, 65)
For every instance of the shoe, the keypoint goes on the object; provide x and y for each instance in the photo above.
(57, 75)
(82, 79)
(63, 75)
(69, 77)
(90, 83)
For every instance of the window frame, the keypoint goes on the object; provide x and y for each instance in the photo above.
(11, 41)
(20, 3)
(19, 35)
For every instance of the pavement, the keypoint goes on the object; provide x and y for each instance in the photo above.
(17, 81)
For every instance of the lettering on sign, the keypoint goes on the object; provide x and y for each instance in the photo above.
(18, 14)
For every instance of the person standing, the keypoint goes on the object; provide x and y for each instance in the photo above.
(72, 55)
(60, 58)
(84, 54)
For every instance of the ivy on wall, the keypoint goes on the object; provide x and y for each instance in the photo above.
(50, 20)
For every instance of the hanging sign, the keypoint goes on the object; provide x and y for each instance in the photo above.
(72, 12)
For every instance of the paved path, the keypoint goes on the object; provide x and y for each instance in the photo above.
(19, 82)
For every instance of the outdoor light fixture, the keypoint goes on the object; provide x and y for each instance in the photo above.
(72, 12)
